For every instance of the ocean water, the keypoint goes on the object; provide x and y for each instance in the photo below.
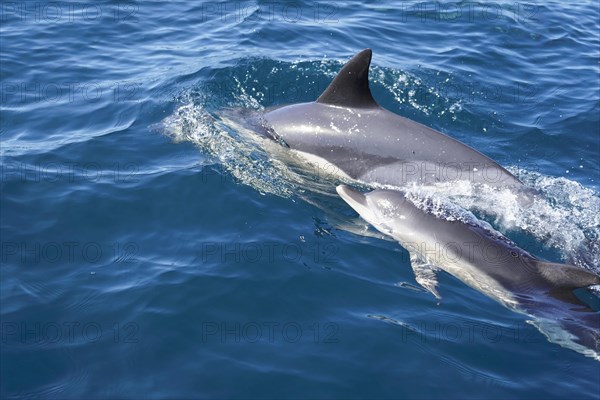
(153, 247)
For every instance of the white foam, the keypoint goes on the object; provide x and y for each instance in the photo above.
(563, 215)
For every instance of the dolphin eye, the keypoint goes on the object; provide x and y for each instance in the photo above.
(514, 254)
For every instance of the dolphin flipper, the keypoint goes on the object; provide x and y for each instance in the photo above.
(425, 273)
(566, 276)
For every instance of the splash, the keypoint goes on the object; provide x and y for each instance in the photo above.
(234, 152)
(426, 97)
(563, 214)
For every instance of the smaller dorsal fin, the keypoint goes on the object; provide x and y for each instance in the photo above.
(350, 88)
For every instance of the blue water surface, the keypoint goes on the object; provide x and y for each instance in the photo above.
(152, 248)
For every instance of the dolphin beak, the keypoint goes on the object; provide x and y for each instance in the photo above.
(356, 200)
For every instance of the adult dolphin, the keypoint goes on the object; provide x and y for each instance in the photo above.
(347, 128)
(487, 261)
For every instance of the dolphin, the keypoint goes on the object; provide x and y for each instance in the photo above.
(346, 128)
(484, 259)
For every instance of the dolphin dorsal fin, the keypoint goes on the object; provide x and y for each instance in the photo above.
(350, 88)
(567, 276)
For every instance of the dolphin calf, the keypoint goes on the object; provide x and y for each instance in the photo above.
(488, 262)
(346, 128)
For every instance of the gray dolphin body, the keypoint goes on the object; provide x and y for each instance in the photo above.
(488, 262)
(347, 128)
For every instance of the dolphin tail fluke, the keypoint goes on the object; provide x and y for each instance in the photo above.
(567, 276)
